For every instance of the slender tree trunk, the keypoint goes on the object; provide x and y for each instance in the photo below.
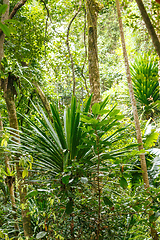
(149, 26)
(134, 109)
(93, 7)
(10, 182)
(43, 99)
(2, 36)
(158, 24)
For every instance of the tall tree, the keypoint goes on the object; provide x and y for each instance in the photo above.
(7, 85)
(134, 109)
(93, 7)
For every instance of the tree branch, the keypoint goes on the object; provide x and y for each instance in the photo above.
(16, 7)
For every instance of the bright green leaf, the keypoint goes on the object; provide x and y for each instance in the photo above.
(95, 108)
(25, 173)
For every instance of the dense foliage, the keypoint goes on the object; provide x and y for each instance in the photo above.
(71, 168)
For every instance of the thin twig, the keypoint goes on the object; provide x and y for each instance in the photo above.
(48, 14)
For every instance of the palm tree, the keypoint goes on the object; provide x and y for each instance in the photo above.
(55, 144)
(144, 72)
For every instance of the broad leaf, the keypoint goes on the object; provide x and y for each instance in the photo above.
(65, 179)
(3, 8)
(96, 108)
(123, 182)
(5, 29)
(40, 235)
(107, 201)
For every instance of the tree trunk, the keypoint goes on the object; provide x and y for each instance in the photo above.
(10, 182)
(93, 7)
(8, 91)
(2, 36)
(158, 33)
(149, 26)
(43, 99)
(134, 109)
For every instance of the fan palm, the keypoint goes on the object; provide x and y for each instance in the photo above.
(54, 145)
(144, 72)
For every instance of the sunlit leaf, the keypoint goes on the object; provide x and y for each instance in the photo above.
(96, 108)
(41, 235)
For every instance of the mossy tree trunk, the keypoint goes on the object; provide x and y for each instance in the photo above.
(8, 92)
(10, 182)
(93, 7)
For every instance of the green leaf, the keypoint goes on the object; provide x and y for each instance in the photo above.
(114, 113)
(32, 194)
(5, 29)
(3, 8)
(104, 103)
(123, 182)
(65, 179)
(25, 173)
(69, 207)
(151, 139)
(41, 235)
(119, 117)
(95, 108)
(88, 103)
(107, 201)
